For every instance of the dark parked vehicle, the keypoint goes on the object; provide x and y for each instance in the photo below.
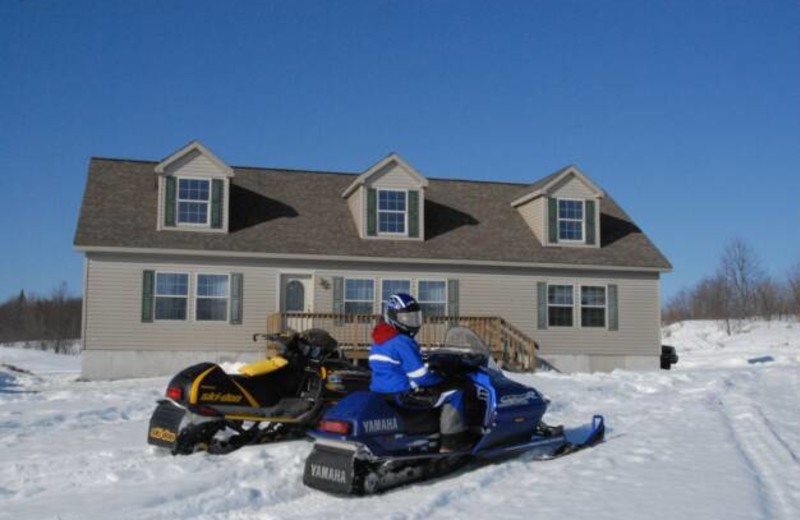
(668, 356)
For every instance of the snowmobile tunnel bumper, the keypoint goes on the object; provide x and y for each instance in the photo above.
(165, 425)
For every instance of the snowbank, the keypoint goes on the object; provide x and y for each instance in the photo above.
(717, 437)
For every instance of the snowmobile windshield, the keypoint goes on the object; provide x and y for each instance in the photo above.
(410, 319)
(463, 340)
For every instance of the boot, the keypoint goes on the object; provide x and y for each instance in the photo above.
(455, 442)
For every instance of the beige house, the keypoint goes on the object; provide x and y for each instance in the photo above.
(186, 258)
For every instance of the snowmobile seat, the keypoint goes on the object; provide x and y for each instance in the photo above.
(263, 366)
(270, 387)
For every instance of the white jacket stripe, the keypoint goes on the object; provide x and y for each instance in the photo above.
(418, 372)
(381, 357)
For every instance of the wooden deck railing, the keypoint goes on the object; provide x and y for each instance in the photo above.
(511, 348)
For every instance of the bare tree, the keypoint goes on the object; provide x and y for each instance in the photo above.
(740, 269)
(42, 322)
(770, 299)
(794, 289)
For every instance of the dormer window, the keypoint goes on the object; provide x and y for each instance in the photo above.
(387, 201)
(193, 191)
(570, 220)
(392, 212)
(194, 201)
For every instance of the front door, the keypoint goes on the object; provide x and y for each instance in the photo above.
(297, 300)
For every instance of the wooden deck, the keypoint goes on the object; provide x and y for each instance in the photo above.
(511, 348)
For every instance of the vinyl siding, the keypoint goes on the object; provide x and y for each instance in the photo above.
(357, 207)
(534, 214)
(114, 286)
(195, 164)
(572, 188)
(114, 309)
(393, 176)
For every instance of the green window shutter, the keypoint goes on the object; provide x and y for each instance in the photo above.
(413, 214)
(590, 222)
(541, 298)
(148, 282)
(216, 203)
(552, 220)
(372, 212)
(613, 307)
(169, 202)
(452, 298)
(338, 295)
(237, 298)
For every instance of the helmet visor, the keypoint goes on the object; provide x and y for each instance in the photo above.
(410, 319)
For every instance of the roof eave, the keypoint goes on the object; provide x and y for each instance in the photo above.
(377, 259)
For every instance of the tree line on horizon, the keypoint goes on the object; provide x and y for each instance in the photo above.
(51, 322)
(740, 289)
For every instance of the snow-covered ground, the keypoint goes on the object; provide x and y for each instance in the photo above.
(717, 437)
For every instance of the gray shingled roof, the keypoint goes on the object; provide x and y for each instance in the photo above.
(300, 212)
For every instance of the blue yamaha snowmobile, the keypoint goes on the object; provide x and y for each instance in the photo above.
(365, 444)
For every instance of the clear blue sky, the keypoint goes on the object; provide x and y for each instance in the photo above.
(688, 113)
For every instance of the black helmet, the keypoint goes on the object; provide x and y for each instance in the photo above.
(404, 313)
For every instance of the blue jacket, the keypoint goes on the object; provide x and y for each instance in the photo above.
(396, 362)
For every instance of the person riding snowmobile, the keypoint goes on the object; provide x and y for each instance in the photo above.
(399, 373)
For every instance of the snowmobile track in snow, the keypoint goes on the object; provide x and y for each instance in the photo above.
(765, 452)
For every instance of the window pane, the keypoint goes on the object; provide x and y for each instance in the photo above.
(572, 209)
(593, 317)
(212, 285)
(212, 309)
(172, 284)
(193, 189)
(593, 295)
(391, 287)
(359, 290)
(392, 200)
(170, 308)
(570, 230)
(559, 294)
(560, 316)
(391, 222)
(433, 309)
(358, 307)
(193, 212)
(295, 296)
(432, 291)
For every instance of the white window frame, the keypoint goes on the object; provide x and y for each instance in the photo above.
(582, 221)
(345, 299)
(156, 296)
(178, 201)
(378, 211)
(581, 306)
(226, 298)
(563, 305)
(446, 293)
